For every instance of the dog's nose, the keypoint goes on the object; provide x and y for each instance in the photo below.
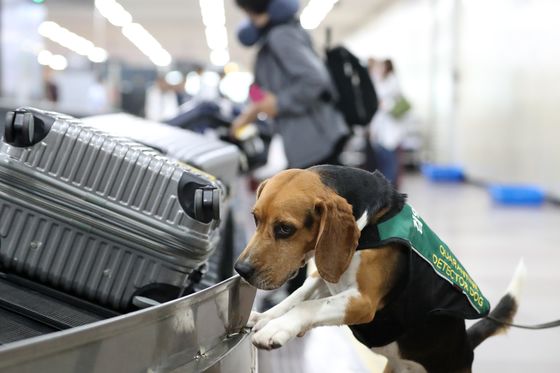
(245, 269)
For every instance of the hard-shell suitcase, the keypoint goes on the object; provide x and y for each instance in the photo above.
(104, 218)
(207, 153)
(216, 157)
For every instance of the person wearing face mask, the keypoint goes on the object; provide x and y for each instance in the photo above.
(292, 85)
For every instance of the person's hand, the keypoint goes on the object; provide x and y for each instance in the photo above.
(248, 116)
(237, 124)
(268, 105)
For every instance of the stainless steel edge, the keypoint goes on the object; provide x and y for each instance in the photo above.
(190, 334)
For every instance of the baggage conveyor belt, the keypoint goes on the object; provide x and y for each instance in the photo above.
(28, 310)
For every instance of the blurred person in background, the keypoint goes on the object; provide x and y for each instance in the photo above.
(292, 85)
(98, 97)
(161, 101)
(292, 88)
(50, 86)
(387, 130)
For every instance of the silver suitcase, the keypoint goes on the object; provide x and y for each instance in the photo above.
(101, 217)
(205, 152)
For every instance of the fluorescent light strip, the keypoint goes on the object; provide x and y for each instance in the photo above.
(135, 32)
(147, 44)
(213, 12)
(114, 12)
(60, 35)
(219, 57)
(315, 12)
(216, 37)
(214, 19)
(54, 61)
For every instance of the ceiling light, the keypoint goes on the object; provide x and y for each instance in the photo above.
(58, 62)
(213, 12)
(161, 58)
(114, 12)
(214, 18)
(135, 32)
(315, 12)
(216, 37)
(147, 44)
(72, 41)
(219, 57)
(97, 55)
(62, 36)
(44, 57)
(48, 28)
(54, 61)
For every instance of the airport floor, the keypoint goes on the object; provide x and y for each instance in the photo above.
(489, 240)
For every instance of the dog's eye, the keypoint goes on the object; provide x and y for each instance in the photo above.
(283, 230)
(256, 220)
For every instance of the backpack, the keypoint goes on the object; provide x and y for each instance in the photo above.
(357, 99)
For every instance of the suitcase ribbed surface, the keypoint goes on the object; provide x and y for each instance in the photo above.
(79, 261)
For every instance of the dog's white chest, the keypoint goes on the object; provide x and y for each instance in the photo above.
(348, 280)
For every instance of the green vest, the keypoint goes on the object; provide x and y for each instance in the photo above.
(409, 228)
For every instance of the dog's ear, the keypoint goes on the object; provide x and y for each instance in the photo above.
(337, 238)
(261, 187)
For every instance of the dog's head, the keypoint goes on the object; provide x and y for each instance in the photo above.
(298, 217)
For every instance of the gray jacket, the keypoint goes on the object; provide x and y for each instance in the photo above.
(287, 66)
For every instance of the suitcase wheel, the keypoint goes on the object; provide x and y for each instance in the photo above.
(9, 128)
(26, 127)
(207, 204)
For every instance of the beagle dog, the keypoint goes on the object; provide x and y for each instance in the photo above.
(393, 299)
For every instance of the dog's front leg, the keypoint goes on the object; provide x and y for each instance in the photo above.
(348, 307)
(312, 286)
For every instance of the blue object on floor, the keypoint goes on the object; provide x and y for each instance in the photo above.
(443, 173)
(528, 195)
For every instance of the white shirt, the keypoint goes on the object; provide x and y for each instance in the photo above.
(160, 105)
(384, 128)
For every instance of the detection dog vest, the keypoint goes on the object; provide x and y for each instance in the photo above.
(435, 282)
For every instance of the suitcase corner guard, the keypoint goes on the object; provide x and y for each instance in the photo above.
(26, 127)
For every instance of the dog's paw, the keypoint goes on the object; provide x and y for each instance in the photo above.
(254, 319)
(274, 335)
(257, 321)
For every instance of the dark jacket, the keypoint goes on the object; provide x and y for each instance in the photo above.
(287, 66)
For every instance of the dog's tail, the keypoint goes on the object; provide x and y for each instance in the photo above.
(504, 311)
